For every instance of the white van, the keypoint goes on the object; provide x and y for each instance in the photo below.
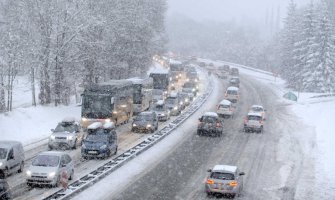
(225, 108)
(11, 157)
(232, 94)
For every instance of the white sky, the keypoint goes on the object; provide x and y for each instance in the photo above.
(222, 10)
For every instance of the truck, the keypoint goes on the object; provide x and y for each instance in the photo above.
(161, 81)
(142, 93)
(111, 101)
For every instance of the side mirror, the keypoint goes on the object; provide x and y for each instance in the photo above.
(209, 170)
(52, 130)
(242, 173)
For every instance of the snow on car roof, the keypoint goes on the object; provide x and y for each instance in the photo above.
(210, 114)
(160, 102)
(225, 102)
(176, 62)
(173, 94)
(95, 125)
(69, 120)
(254, 114)
(256, 106)
(108, 125)
(158, 70)
(56, 153)
(225, 168)
(232, 88)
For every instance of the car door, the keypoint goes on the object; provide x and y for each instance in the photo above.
(69, 164)
(11, 160)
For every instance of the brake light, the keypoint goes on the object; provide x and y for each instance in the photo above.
(210, 181)
(245, 120)
(225, 94)
(233, 184)
(218, 125)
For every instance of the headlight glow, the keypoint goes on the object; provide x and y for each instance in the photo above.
(186, 100)
(193, 90)
(0, 164)
(84, 119)
(51, 174)
(134, 125)
(148, 125)
(175, 108)
(107, 120)
(28, 173)
(52, 137)
(70, 137)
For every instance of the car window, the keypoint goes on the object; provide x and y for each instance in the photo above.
(67, 159)
(233, 92)
(65, 127)
(253, 117)
(46, 161)
(222, 176)
(63, 160)
(224, 106)
(10, 153)
(208, 119)
(3, 153)
(257, 109)
(144, 117)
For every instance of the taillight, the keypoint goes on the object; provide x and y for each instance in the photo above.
(233, 184)
(210, 181)
(245, 120)
(218, 125)
(226, 95)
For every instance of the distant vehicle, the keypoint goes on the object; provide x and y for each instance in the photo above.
(142, 96)
(232, 94)
(185, 98)
(210, 124)
(163, 113)
(258, 109)
(234, 71)
(202, 64)
(191, 87)
(100, 142)
(225, 108)
(192, 76)
(145, 122)
(161, 81)
(110, 101)
(11, 157)
(67, 134)
(226, 68)
(46, 168)
(173, 104)
(253, 122)
(5, 192)
(234, 81)
(224, 179)
(176, 69)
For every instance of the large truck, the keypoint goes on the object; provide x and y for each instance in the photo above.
(161, 81)
(111, 101)
(142, 93)
(176, 70)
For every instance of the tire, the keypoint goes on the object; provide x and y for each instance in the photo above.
(71, 175)
(21, 167)
(115, 152)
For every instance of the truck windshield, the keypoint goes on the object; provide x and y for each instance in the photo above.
(3, 153)
(97, 106)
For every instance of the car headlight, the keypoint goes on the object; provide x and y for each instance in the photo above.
(186, 100)
(148, 125)
(107, 120)
(83, 146)
(103, 146)
(28, 173)
(193, 90)
(52, 137)
(70, 137)
(0, 164)
(176, 77)
(134, 125)
(197, 87)
(84, 119)
(51, 174)
(181, 103)
(175, 108)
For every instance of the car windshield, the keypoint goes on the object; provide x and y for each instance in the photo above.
(97, 135)
(208, 119)
(222, 176)
(257, 109)
(157, 92)
(143, 118)
(171, 101)
(253, 117)
(65, 127)
(46, 161)
(188, 85)
(3, 153)
(224, 106)
(159, 108)
(232, 92)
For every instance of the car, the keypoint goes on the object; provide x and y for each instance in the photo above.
(225, 180)
(145, 122)
(190, 87)
(173, 104)
(183, 99)
(5, 192)
(101, 141)
(258, 109)
(47, 167)
(232, 94)
(253, 122)
(234, 71)
(234, 81)
(210, 124)
(163, 113)
(225, 108)
(11, 157)
(68, 134)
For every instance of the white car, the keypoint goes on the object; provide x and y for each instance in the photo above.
(258, 109)
(253, 122)
(47, 167)
(225, 108)
(232, 94)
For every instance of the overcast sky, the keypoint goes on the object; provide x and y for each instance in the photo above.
(237, 10)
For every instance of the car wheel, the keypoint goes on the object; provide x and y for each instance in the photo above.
(115, 152)
(21, 167)
(71, 175)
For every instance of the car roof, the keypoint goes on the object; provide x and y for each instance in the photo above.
(95, 125)
(210, 114)
(224, 168)
(108, 125)
(233, 88)
(256, 106)
(173, 94)
(225, 102)
(254, 114)
(160, 102)
(54, 153)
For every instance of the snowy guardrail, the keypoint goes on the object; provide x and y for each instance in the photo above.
(110, 166)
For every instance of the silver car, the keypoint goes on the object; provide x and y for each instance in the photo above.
(224, 179)
(47, 167)
(67, 134)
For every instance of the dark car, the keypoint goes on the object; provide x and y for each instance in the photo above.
(210, 124)
(100, 142)
(234, 71)
(4, 189)
(145, 122)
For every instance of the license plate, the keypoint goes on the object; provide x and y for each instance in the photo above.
(92, 152)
